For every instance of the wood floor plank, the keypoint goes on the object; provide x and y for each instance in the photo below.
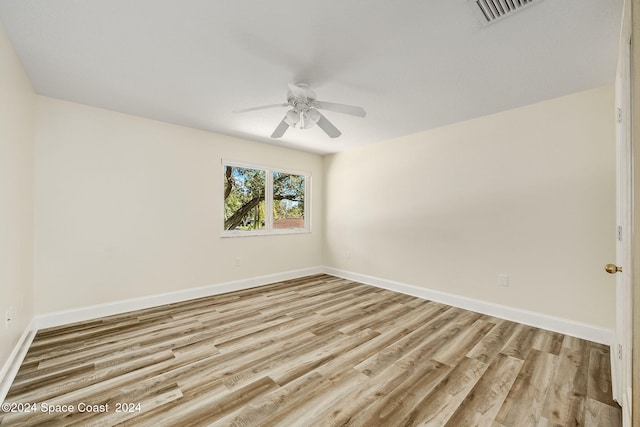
(599, 414)
(318, 350)
(482, 404)
(599, 383)
(78, 384)
(392, 310)
(487, 349)
(135, 333)
(277, 401)
(521, 342)
(458, 346)
(439, 406)
(548, 341)
(531, 386)
(102, 354)
(566, 399)
(204, 408)
(382, 359)
(410, 321)
(362, 399)
(390, 407)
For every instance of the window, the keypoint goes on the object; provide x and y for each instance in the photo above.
(244, 191)
(260, 200)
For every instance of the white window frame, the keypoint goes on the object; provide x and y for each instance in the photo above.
(268, 201)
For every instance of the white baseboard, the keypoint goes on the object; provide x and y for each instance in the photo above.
(49, 320)
(538, 320)
(12, 365)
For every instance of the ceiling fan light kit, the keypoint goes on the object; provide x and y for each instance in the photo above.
(305, 114)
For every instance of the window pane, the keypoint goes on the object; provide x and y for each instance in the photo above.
(288, 200)
(244, 191)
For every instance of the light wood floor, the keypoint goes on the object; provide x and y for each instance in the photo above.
(312, 352)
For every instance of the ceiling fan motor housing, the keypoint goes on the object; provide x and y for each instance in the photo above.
(303, 113)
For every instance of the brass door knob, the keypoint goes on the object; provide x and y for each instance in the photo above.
(612, 268)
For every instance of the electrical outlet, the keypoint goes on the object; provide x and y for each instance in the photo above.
(347, 254)
(237, 262)
(503, 280)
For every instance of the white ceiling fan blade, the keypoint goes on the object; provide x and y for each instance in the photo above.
(341, 108)
(281, 129)
(263, 107)
(328, 127)
(298, 92)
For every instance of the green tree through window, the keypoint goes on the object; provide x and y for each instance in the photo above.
(244, 198)
(288, 200)
(248, 206)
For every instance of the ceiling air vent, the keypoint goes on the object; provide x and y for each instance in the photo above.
(490, 11)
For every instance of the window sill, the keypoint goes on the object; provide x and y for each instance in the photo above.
(226, 234)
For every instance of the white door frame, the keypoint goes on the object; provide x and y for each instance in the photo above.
(621, 350)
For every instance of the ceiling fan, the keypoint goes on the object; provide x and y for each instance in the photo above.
(304, 113)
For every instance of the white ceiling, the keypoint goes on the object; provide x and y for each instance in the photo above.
(412, 64)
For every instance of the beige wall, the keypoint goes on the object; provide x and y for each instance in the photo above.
(128, 207)
(16, 197)
(528, 192)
